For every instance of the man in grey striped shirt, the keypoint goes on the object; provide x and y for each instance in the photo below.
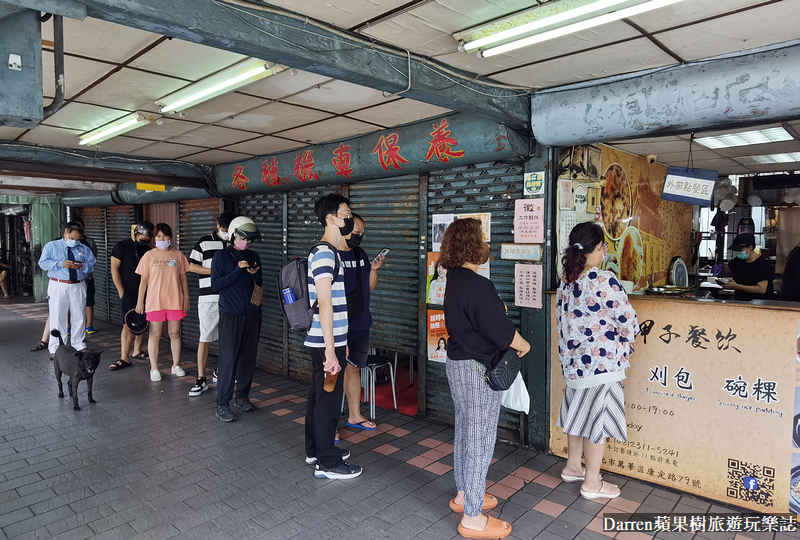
(208, 299)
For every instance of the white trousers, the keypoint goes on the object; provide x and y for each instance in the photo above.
(67, 299)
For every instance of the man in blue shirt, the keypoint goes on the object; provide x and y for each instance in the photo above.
(67, 263)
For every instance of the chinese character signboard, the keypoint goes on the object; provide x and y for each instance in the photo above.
(529, 221)
(437, 336)
(521, 252)
(709, 403)
(534, 184)
(528, 285)
(693, 186)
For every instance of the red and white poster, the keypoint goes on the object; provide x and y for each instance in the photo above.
(437, 336)
(529, 221)
(528, 285)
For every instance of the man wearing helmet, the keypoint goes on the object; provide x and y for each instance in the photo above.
(236, 276)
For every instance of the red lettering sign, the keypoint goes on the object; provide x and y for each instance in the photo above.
(269, 172)
(389, 152)
(304, 166)
(239, 179)
(442, 143)
(341, 161)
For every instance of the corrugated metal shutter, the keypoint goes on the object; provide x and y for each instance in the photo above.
(267, 212)
(95, 221)
(390, 208)
(119, 221)
(304, 231)
(483, 187)
(196, 218)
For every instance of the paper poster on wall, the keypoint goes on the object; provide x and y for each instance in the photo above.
(528, 285)
(439, 225)
(566, 223)
(534, 184)
(529, 221)
(486, 223)
(437, 336)
(436, 280)
(565, 197)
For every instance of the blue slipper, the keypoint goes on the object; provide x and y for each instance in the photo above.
(361, 425)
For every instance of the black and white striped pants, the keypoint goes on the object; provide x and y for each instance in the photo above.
(477, 410)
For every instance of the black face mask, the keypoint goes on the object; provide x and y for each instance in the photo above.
(349, 223)
(143, 242)
(354, 241)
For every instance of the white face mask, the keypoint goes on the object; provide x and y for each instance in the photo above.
(224, 235)
(162, 244)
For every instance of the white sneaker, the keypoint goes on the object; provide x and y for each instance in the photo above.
(214, 376)
(178, 370)
(155, 375)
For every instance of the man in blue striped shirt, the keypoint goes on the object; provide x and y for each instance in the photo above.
(67, 263)
(327, 341)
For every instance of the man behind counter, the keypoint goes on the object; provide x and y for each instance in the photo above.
(752, 274)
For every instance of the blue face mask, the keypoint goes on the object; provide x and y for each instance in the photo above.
(742, 254)
(71, 243)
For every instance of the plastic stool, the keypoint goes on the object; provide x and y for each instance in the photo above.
(374, 362)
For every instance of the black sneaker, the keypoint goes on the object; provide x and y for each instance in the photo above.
(344, 471)
(199, 387)
(224, 413)
(243, 404)
(313, 460)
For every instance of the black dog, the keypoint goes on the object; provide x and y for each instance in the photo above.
(78, 365)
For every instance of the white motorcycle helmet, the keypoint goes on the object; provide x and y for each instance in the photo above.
(245, 228)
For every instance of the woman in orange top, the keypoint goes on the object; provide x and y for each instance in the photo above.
(164, 296)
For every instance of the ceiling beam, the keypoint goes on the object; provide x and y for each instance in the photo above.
(51, 183)
(280, 36)
(67, 164)
(65, 8)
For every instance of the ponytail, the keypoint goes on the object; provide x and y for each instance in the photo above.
(583, 239)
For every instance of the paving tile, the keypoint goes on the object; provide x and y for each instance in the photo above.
(547, 480)
(550, 508)
(596, 525)
(500, 491)
(526, 474)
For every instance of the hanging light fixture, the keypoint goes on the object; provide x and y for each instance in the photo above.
(117, 127)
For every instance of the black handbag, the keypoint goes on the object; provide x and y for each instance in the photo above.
(504, 370)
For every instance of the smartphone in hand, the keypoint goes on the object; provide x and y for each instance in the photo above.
(383, 252)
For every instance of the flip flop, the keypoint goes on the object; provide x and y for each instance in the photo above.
(567, 478)
(336, 439)
(494, 529)
(606, 492)
(141, 356)
(361, 425)
(119, 364)
(489, 502)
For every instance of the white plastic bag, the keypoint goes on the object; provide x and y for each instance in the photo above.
(516, 397)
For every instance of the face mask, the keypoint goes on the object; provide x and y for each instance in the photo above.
(241, 245)
(742, 254)
(354, 241)
(163, 244)
(142, 242)
(349, 223)
(224, 235)
(71, 243)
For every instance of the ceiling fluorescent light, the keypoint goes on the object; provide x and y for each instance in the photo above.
(624, 13)
(117, 127)
(762, 136)
(225, 81)
(538, 18)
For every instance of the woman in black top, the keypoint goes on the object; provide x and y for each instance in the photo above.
(752, 275)
(479, 330)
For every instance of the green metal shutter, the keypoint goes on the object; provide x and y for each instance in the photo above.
(196, 218)
(95, 221)
(304, 231)
(119, 220)
(390, 208)
(266, 210)
(483, 187)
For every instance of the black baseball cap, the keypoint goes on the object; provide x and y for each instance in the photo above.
(742, 241)
(136, 322)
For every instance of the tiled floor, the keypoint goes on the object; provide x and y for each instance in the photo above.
(148, 461)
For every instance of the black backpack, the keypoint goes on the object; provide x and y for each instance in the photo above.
(294, 274)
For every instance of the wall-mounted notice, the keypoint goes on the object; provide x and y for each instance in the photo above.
(521, 252)
(534, 184)
(565, 197)
(439, 225)
(486, 223)
(529, 221)
(437, 336)
(528, 285)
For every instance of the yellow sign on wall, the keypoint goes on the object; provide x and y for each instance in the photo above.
(709, 402)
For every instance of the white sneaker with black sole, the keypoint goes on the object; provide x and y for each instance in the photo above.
(344, 471)
(313, 460)
(199, 387)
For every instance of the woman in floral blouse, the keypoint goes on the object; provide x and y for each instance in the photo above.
(596, 330)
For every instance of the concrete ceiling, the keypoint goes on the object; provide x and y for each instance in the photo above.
(112, 70)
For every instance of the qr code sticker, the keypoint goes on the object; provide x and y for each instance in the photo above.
(751, 482)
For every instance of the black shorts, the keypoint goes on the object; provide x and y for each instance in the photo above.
(127, 303)
(358, 342)
(90, 291)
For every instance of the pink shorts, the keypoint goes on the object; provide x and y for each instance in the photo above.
(165, 315)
